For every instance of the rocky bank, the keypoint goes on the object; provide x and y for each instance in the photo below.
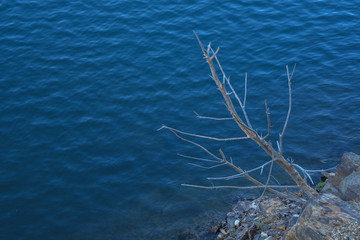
(333, 215)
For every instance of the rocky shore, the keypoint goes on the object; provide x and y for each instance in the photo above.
(333, 215)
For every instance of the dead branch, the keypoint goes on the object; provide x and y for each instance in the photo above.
(222, 160)
(268, 119)
(211, 118)
(200, 166)
(237, 187)
(250, 133)
(268, 179)
(239, 170)
(265, 145)
(242, 105)
(289, 110)
(198, 159)
(241, 174)
(205, 137)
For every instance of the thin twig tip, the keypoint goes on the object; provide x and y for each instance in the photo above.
(162, 127)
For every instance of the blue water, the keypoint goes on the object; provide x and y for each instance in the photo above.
(84, 85)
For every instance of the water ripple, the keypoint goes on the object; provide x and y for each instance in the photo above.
(85, 85)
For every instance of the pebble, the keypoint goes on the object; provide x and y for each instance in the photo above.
(237, 222)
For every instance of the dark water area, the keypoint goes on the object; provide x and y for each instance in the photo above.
(84, 86)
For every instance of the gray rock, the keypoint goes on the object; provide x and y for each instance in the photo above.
(323, 215)
(257, 237)
(350, 187)
(335, 213)
(230, 219)
(345, 182)
(269, 238)
(293, 220)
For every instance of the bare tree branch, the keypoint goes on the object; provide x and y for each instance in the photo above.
(239, 170)
(268, 179)
(320, 170)
(246, 127)
(214, 53)
(199, 159)
(200, 166)
(268, 119)
(205, 137)
(241, 174)
(212, 118)
(242, 105)
(289, 110)
(266, 146)
(245, 89)
(237, 187)
(196, 144)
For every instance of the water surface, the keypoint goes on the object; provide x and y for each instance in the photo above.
(85, 84)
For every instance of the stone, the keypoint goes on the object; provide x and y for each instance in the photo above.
(350, 187)
(237, 223)
(323, 216)
(294, 219)
(341, 183)
(350, 162)
(257, 237)
(281, 227)
(292, 205)
(335, 213)
(272, 206)
(220, 236)
(215, 229)
(230, 219)
(269, 238)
